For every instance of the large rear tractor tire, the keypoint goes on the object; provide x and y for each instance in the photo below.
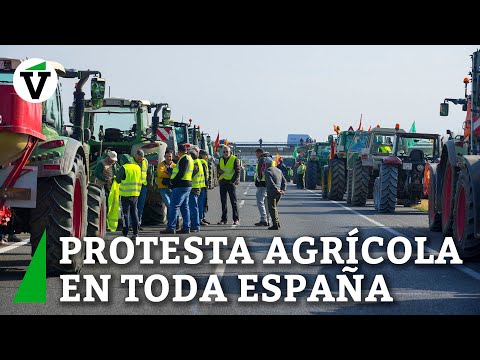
(463, 218)
(295, 176)
(97, 211)
(336, 179)
(387, 188)
(434, 217)
(349, 186)
(325, 182)
(359, 184)
(448, 197)
(376, 193)
(311, 175)
(62, 212)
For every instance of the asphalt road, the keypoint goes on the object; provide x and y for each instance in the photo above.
(415, 289)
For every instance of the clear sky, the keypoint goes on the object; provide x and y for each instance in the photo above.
(248, 92)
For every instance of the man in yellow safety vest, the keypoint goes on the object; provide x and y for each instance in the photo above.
(300, 174)
(202, 200)
(229, 170)
(143, 163)
(198, 182)
(130, 179)
(181, 182)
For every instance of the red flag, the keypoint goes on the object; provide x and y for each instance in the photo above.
(217, 141)
(370, 128)
(277, 158)
(360, 125)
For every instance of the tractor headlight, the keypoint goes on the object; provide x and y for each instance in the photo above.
(420, 167)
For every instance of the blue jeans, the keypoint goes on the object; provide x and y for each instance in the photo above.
(179, 200)
(166, 195)
(140, 204)
(201, 203)
(194, 213)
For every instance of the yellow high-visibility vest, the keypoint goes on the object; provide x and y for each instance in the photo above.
(228, 168)
(301, 169)
(188, 174)
(203, 161)
(198, 181)
(144, 171)
(132, 184)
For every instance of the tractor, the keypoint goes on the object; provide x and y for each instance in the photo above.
(317, 157)
(289, 162)
(336, 170)
(366, 153)
(45, 168)
(401, 174)
(124, 126)
(454, 192)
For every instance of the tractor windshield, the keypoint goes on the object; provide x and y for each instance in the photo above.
(180, 134)
(382, 144)
(113, 117)
(359, 142)
(323, 151)
(406, 146)
(348, 141)
(6, 78)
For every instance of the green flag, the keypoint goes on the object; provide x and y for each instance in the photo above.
(413, 129)
(295, 152)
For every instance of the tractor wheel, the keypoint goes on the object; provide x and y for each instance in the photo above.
(376, 191)
(349, 186)
(97, 211)
(463, 218)
(325, 182)
(311, 175)
(294, 178)
(448, 195)
(62, 212)
(336, 180)
(387, 188)
(153, 214)
(359, 184)
(434, 217)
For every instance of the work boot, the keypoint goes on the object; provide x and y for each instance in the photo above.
(261, 223)
(204, 223)
(184, 231)
(221, 222)
(13, 238)
(167, 231)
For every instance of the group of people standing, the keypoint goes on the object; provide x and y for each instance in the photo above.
(183, 187)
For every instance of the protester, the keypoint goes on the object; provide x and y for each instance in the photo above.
(181, 181)
(261, 194)
(202, 200)
(276, 185)
(229, 170)
(300, 175)
(143, 163)
(130, 179)
(198, 180)
(164, 172)
(105, 171)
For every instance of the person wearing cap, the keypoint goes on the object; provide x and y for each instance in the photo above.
(276, 185)
(181, 182)
(229, 170)
(106, 170)
(261, 194)
(130, 179)
(143, 163)
(202, 199)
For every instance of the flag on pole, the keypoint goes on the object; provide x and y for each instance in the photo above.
(413, 129)
(217, 141)
(277, 157)
(295, 152)
(226, 142)
(370, 128)
(360, 125)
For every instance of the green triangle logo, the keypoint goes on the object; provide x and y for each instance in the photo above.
(33, 288)
(39, 67)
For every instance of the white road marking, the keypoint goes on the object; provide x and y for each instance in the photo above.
(14, 246)
(462, 268)
(241, 203)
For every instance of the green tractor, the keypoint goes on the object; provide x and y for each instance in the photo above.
(53, 195)
(336, 170)
(289, 162)
(204, 142)
(367, 151)
(124, 126)
(317, 155)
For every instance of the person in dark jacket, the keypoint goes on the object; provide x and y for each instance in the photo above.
(276, 185)
(229, 171)
(261, 186)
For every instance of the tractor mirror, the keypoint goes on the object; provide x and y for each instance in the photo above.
(166, 114)
(464, 107)
(87, 134)
(148, 131)
(97, 88)
(444, 109)
(71, 114)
